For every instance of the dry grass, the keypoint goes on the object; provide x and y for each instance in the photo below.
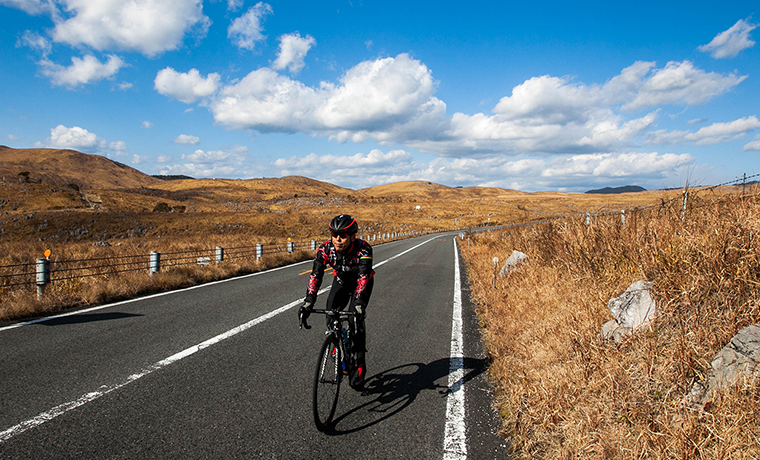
(565, 393)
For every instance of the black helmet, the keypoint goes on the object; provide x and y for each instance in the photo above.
(344, 223)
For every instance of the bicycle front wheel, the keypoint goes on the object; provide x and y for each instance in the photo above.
(327, 379)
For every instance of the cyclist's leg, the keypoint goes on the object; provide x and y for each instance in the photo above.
(359, 332)
(338, 297)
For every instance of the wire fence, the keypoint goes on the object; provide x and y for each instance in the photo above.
(44, 271)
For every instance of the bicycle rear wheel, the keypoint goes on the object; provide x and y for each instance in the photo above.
(327, 378)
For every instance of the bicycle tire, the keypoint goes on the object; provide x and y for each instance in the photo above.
(327, 378)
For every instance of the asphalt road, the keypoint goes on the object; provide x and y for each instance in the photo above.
(222, 371)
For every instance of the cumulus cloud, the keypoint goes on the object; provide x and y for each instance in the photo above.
(77, 138)
(147, 125)
(729, 43)
(82, 71)
(753, 146)
(293, 49)
(372, 98)
(214, 163)
(392, 101)
(149, 27)
(185, 87)
(247, 30)
(680, 83)
(575, 173)
(35, 41)
(234, 5)
(33, 7)
(185, 139)
(713, 134)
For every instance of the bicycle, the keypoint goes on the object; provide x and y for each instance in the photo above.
(335, 361)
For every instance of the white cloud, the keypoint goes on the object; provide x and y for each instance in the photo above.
(146, 26)
(392, 101)
(185, 139)
(123, 86)
(293, 49)
(729, 43)
(753, 146)
(234, 5)
(372, 98)
(246, 30)
(217, 163)
(35, 41)
(164, 158)
(137, 159)
(31, 6)
(11, 137)
(680, 83)
(185, 87)
(81, 71)
(147, 125)
(77, 138)
(575, 173)
(713, 134)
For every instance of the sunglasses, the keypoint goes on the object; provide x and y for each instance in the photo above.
(342, 236)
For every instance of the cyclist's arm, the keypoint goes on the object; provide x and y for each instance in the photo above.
(317, 274)
(365, 270)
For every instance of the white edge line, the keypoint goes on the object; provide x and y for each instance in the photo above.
(105, 389)
(454, 442)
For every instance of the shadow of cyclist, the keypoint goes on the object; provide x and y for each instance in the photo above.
(393, 390)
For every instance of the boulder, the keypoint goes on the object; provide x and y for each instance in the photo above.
(738, 359)
(631, 310)
(516, 258)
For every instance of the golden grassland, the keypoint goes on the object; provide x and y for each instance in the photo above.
(565, 393)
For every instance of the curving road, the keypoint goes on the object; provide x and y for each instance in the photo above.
(222, 371)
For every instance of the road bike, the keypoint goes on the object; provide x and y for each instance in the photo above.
(335, 360)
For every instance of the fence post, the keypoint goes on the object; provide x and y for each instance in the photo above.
(43, 276)
(259, 251)
(588, 219)
(622, 217)
(155, 262)
(219, 254)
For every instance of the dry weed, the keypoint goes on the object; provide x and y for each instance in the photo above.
(565, 393)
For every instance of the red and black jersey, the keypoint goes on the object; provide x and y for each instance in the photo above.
(353, 266)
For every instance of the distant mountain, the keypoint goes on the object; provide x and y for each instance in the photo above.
(171, 176)
(69, 167)
(624, 189)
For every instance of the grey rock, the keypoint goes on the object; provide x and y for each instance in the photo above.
(737, 360)
(516, 258)
(631, 310)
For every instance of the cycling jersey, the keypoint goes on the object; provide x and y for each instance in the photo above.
(353, 266)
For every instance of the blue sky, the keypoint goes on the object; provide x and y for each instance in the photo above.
(534, 96)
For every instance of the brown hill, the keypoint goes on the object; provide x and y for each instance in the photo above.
(64, 167)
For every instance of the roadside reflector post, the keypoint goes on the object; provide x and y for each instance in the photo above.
(622, 217)
(291, 246)
(219, 254)
(155, 262)
(495, 267)
(259, 251)
(313, 245)
(43, 276)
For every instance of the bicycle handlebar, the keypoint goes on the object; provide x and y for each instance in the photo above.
(334, 313)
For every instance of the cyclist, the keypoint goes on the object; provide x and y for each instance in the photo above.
(351, 259)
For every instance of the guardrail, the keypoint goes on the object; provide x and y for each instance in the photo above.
(44, 271)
